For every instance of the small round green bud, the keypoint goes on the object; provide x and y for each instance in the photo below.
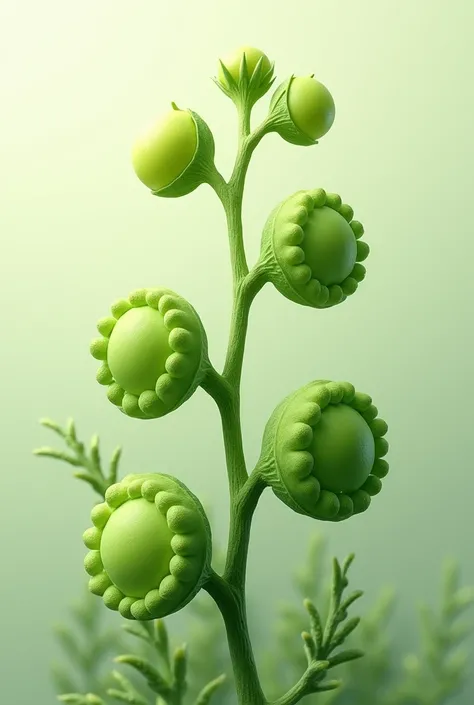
(153, 355)
(321, 453)
(245, 75)
(154, 549)
(175, 155)
(233, 63)
(311, 251)
(302, 110)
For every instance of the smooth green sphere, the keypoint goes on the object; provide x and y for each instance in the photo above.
(329, 245)
(135, 547)
(311, 106)
(138, 349)
(343, 448)
(164, 151)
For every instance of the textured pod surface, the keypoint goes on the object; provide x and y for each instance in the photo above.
(153, 351)
(323, 451)
(175, 155)
(150, 546)
(311, 245)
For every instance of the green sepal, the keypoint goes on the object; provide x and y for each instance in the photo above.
(248, 89)
(200, 168)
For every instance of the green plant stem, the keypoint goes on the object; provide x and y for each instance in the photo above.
(303, 687)
(227, 401)
(231, 193)
(244, 295)
(228, 591)
(241, 522)
(243, 113)
(231, 603)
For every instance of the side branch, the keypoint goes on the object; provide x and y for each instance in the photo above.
(244, 296)
(305, 686)
(241, 522)
(228, 402)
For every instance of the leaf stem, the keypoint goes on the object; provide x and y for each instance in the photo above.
(306, 684)
(228, 591)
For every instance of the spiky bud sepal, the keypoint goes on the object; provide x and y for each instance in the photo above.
(246, 76)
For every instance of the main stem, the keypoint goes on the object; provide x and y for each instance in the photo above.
(228, 590)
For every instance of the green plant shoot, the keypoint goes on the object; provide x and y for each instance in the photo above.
(323, 448)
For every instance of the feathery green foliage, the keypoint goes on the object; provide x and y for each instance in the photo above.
(430, 677)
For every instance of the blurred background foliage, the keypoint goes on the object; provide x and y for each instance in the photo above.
(432, 675)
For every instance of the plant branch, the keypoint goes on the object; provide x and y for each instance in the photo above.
(241, 521)
(324, 638)
(306, 685)
(231, 193)
(78, 457)
(245, 293)
(231, 604)
(227, 400)
(229, 591)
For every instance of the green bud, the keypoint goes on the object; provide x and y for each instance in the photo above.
(175, 155)
(153, 352)
(153, 548)
(301, 110)
(319, 451)
(245, 75)
(311, 249)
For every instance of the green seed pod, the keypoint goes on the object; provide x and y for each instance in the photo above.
(311, 249)
(302, 110)
(245, 75)
(322, 451)
(150, 547)
(153, 351)
(176, 155)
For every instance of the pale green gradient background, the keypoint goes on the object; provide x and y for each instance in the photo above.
(78, 80)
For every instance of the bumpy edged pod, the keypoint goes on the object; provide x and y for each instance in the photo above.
(150, 547)
(323, 451)
(153, 351)
(311, 249)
